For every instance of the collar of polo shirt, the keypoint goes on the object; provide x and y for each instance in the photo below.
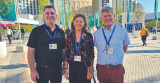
(110, 28)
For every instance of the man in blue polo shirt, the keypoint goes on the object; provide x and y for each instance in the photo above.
(22, 33)
(111, 42)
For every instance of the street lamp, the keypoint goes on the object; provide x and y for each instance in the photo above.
(17, 15)
(19, 48)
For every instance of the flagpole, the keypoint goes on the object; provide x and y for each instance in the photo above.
(157, 21)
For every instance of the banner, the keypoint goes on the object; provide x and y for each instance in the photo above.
(61, 12)
(156, 9)
(127, 12)
(91, 21)
(7, 10)
(96, 18)
(67, 12)
(104, 2)
(120, 21)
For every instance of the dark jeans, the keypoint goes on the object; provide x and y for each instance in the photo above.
(144, 39)
(78, 73)
(154, 31)
(22, 35)
(9, 38)
(54, 74)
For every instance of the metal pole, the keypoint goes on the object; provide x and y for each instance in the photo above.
(18, 21)
(157, 21)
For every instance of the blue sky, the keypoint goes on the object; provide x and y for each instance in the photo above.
(149, 5)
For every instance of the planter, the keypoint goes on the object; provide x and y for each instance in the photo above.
(3, 50)
(136, 33)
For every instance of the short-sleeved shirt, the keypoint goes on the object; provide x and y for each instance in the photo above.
(8, 32)
(22, 30)
(40, 40)
(119, 39)
(86, 49)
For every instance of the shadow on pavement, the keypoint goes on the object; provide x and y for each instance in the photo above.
(14, 79)
(13, 66)
(143, 51)
(134, 46)
(14, 52)
(151, 79)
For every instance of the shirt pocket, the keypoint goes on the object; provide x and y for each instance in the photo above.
(117, 41)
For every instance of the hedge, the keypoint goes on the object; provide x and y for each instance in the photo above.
(27, 28)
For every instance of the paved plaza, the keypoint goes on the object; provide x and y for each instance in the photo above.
(142, 64)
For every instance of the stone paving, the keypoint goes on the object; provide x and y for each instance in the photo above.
(142, 64)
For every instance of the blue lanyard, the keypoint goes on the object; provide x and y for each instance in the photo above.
(49, 33)
(109, 37)
(77, 48)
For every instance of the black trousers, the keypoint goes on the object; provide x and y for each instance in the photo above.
(9, 38)
(144, 39)
(154, 31)
(78, 72)
(54, 74)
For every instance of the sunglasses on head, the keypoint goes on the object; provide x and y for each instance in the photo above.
(49, 6)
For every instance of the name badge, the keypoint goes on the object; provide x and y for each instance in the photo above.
(77, 58)
(110, 51)
(52, 46)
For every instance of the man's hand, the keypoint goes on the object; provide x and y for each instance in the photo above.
(66, 74)
(34, 74)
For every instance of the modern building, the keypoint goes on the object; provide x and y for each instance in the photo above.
(28, 7)
(98, 4)
(80, 6)
(122, 4)
(151, 16)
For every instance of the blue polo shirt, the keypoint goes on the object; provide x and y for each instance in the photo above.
(119, 39)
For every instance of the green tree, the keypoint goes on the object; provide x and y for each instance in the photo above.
(100, 23)
(42, 4)
(139, 9)
(152, 24)
(118, 12)
(70, 16)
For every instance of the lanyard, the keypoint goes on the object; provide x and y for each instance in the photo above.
(77, 48)
(49, 33)
(109, 37)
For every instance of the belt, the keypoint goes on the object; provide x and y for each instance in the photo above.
(47, 66)
(113, 66)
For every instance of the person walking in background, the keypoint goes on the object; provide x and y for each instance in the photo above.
(94, 29)
(9, 34)
(154, 30)
(151, 29)
(22, 33)
(68, 30)
(111, 42)
(45, 46)
(79, 50)
(144, 34)
(133, 29)
(97, 27)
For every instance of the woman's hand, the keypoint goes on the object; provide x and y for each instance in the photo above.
(66, 74)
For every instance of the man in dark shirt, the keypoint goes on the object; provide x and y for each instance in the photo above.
(22, 33)
(68, 30)
(45, 49)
